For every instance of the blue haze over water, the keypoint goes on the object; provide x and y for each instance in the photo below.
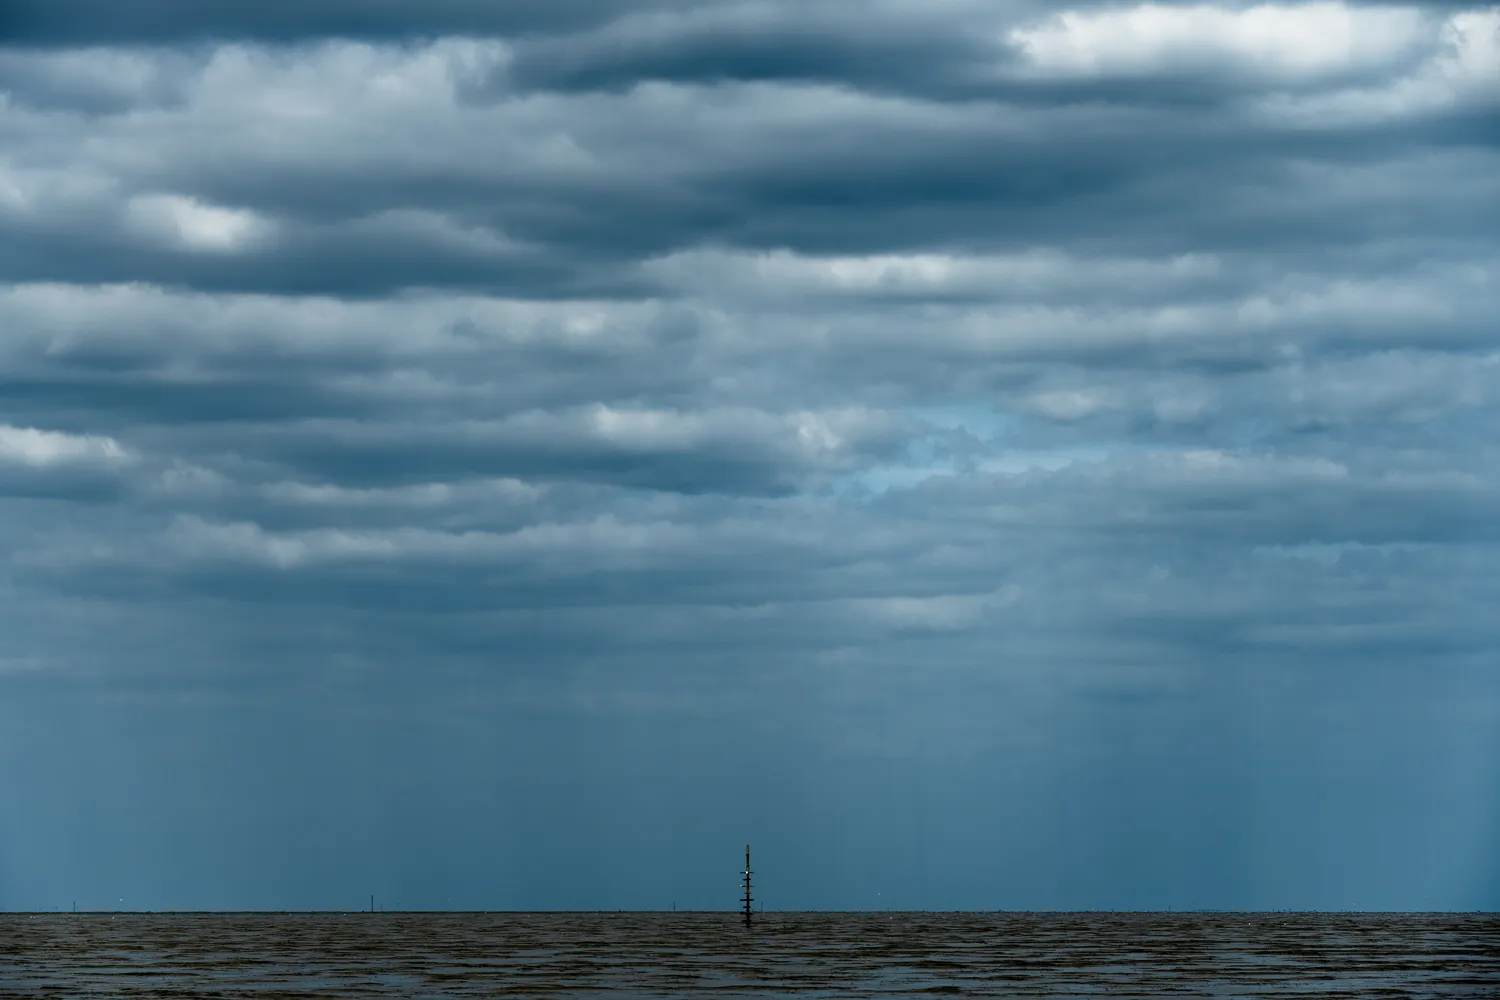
(985, 455)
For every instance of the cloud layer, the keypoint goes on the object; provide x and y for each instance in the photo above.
(947, 383)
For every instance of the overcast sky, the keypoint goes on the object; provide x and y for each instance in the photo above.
(984, 454)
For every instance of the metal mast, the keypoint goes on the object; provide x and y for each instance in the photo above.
(748, 897)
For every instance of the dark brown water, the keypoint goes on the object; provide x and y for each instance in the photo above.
(785, 955)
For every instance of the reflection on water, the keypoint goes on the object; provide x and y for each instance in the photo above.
(786, 954)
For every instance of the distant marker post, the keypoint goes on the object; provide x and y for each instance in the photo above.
(748, 897)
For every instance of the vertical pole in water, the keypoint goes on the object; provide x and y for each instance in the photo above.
(372, 902)
(747, 885)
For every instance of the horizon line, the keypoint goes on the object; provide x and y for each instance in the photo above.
(728, 912)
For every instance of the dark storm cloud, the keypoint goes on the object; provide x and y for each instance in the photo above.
(535, 192)
(939, 382)
(94, 21)
(955, 51)
(84, 22)
(892, 48)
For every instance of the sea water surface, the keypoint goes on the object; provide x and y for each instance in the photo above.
(275, 955)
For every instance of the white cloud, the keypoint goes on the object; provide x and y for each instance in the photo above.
(193, 225)
(35, 448)
(942, 613)
(1068, 404)
(1461, 68)
(1472, 54)
(808, 435)
(601, 543)
(1276, 41)
(54, 319)
(1039, 271)
(335, 83)
(422, 496)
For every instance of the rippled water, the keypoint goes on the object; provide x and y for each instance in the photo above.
(785, 954)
